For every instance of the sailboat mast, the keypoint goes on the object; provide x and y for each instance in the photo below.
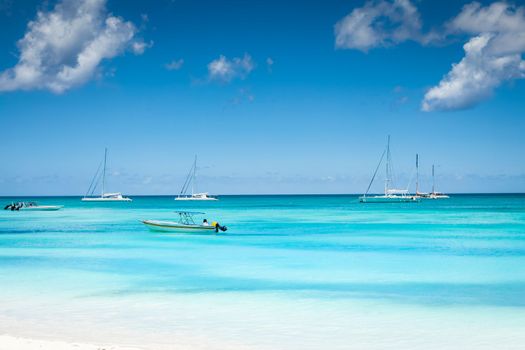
(387, 179)
(104, 172)
(417, 173)
(433, 180)
(194, 175)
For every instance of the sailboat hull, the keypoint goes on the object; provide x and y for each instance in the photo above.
(102, 199)
(388, 199)
(195, 199)
(438, 196)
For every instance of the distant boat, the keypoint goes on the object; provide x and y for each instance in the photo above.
(434, 194)
(191, 182)
(104, 197)
(425, 195)
(31, 206)
(418, 193)
(391, 195)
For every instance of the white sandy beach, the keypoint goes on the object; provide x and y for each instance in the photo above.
(11, 343)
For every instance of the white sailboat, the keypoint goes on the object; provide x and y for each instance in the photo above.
(104, 197)
(434, 194)
(418, 193)
(190, 181)
(391, 195)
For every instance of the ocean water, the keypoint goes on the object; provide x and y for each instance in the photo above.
(291, 272)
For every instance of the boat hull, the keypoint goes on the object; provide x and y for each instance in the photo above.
(388, 199)
(42, 208)
(195, 199)
(170, 226)
(95, 199)
(444, 196)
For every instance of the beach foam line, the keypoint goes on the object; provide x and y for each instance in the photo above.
(8, 342)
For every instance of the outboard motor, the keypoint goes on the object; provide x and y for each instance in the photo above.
(219, 227)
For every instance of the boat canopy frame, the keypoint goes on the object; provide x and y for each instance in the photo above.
(187, 217)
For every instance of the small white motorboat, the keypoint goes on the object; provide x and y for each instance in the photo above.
(31, 206)
(186, 224)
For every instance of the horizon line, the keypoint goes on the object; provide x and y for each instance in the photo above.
(267, 194)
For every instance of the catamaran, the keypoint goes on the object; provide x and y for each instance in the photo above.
(434, 194)
(190, 181)
(104, 197)
(391, 195)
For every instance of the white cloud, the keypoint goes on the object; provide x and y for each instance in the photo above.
(139, 46)
(269, 64)
(492, 57)
(379, 23)
(224, 69)
(175, 64)
(63, 48)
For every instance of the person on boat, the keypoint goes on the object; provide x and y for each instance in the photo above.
(205, 222)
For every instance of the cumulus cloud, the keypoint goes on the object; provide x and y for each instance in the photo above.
(492, 57)
(175, 64)
(224, 70)
(63, 48)
(379, 23)
(495, 42)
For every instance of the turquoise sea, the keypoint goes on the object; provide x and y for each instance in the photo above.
(291, 272)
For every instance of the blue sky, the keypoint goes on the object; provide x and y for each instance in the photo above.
(287, 109)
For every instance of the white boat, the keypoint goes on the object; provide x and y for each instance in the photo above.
(108, 197)
(391, 195)
(32, 206)
(104, 197)
(434, 194)
(388, 198)
(191, 181)
(186, 224)
(419, 194)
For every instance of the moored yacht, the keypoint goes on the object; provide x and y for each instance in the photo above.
(434, 194)
(104, 197)
(391, 195)
(191, 182)
(425, 195)
(419, 194)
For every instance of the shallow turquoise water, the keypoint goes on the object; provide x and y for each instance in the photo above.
(320, 267)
